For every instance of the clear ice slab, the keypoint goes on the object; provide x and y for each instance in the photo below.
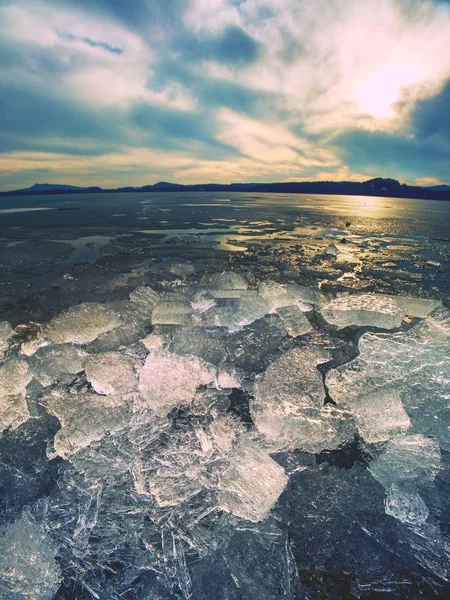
(288, 405)
(81, 324)
(363, 310)
(52, 362)
(406, 459)
(414, 363)
(15, 375)
(252, 483)
(110, 373)
(85, 418)
(167, 381)
(6, 332)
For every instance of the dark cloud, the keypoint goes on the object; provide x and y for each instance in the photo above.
(432, 116)
(160, 127)
(137, 14)
(232, 46)
(27, 111)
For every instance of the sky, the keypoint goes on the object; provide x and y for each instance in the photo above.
(114, 92)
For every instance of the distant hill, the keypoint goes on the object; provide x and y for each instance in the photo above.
(51, 188)
(439, 188)
(373, 187)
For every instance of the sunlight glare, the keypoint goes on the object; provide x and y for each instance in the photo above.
(377, 96)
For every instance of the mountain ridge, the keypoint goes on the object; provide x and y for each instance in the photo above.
(378, 186)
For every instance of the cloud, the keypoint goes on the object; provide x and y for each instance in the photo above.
(224, 89)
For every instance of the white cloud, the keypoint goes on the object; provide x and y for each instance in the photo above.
(340, 63)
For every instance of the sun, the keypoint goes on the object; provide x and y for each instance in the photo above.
(376, 96)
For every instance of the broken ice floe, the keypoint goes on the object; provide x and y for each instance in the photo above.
(407, 458)
(414, 365)
(15, 375)
(167, 381)
(182, 417)
(252, 482)
(294, 320)
(288, 405)
(85, 418)
(6, 332)
(51, 362)
(110, 373)
(81, 324)
(361, 310)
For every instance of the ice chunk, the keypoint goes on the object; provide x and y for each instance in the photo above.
(82, 324)
(252, 483)
(249, 307)
(222, 432)
(110, 373)
(279, 295)
(206, 343)
(167, 381)
(288, 405)
(121, 336)
(28, 568)
(331, 250)
(407, 458)
(293, 380)
(307, 429)
(15, 375)
(405, 505)
(202, 301)
(171, 313)
(154, 342)
(142, 302)
(225, 285)
(415, 363)
(182, 269)
(294, 320)
(253, 347)
(364, 310)
(416, 307)
(380, 415)
(85, 418)
(51, 362)
(6, 332)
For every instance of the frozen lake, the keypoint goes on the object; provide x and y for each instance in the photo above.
(224, 397)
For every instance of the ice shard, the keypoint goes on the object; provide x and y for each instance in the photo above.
(171, 313)
(252, 483)
(379, 415)
(279, 295)
(294, 320)
(407, 458)
(288, 405)
(167, 381)
(414, 363)
(85, 418)
(405, 505)
(6, 332)
(225, 285)
(82, 324)
(364, 310)
(15, 375)
(110, 373)
(52, 362)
